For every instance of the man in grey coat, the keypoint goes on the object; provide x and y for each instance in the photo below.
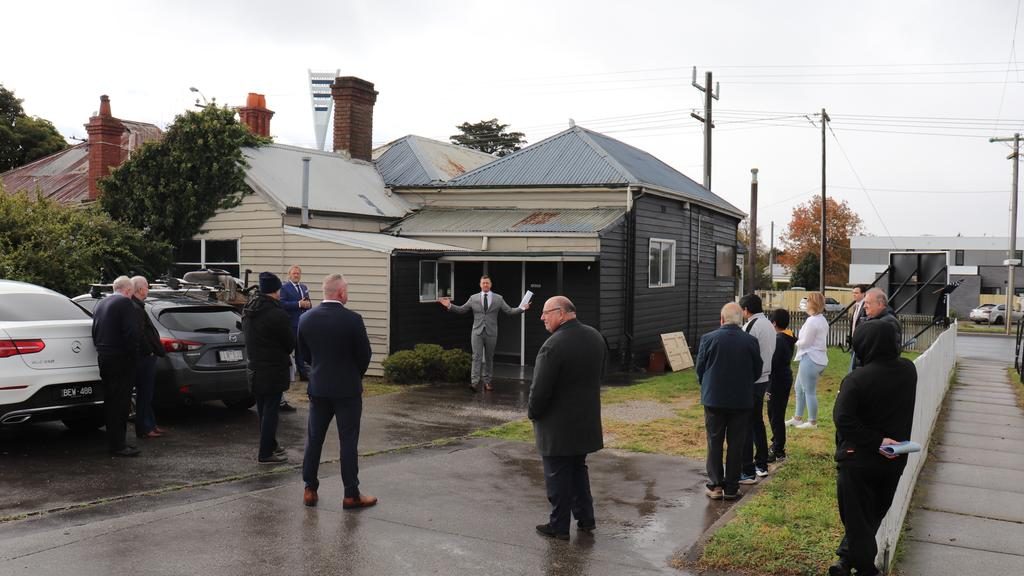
(565, 407)
(755, 448)
(484, 336)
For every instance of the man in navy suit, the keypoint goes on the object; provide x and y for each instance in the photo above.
(333, 340)
(295, 301)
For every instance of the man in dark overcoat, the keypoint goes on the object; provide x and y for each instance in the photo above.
(116, 335)
(334, 342)
(565, 407)
(269, 340)
(728, 364)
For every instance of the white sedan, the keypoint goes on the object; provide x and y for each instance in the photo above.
(48, 366)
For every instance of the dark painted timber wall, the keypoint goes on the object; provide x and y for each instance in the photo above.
(414, 322)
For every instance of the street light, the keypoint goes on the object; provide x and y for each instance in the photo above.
(196, 90)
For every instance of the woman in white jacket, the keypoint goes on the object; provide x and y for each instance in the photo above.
(812, 354)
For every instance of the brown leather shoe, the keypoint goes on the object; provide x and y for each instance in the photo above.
(488, 387)
(309, 497)
(361, 501)
(150, 434)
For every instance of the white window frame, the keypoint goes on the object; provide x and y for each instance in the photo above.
(437, 266)
(672, 257)
(202, 254)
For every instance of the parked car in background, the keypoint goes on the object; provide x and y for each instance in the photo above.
(981, 313)
(997, 315)
(831, 305)
(204, 344)
(48, 366)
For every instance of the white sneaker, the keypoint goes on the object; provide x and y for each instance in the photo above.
(792, 422)
(807, 426)
(761, 472)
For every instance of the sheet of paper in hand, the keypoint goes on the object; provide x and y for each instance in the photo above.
(901, 448)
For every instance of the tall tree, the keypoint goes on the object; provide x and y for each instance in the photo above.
(169, 189)
(805, 274)
(24, 138)
(489, 136)
(802, 237)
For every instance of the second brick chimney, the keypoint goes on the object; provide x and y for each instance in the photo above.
(353, 116)
(255, 114)
(105, 148)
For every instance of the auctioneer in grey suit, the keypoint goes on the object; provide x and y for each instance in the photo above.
(485, 307)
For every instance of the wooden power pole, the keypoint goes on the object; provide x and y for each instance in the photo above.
(706, 119)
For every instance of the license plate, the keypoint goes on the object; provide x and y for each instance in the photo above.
(76, 392)
(229, 355)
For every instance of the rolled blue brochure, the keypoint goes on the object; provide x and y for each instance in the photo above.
(902, 448)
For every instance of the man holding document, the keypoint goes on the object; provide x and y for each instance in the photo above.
(484, 336)
(873, 413)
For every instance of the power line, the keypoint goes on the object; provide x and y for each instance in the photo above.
(865, 190)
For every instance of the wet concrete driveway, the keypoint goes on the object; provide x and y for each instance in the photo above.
(462, 507)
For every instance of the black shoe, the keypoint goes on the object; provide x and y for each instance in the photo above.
(587, 527)
(840, 568)
(730, 495)
(279, 451)
(773, 457)
(126, 452)
(474, 387)
(273, 459)
(547, 530)
(286, 407)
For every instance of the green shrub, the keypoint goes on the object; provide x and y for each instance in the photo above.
(428, 363)
(403, 367)
(457, 365)
(432, 358)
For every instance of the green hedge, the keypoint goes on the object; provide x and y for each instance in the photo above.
(427, 363)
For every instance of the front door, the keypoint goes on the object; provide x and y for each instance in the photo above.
(507, 280)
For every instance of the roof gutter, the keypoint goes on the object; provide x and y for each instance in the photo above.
(629, 290)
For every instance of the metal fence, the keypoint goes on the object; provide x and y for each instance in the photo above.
(934, 368)
(912, 325)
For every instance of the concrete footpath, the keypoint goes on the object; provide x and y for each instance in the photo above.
(968, 516)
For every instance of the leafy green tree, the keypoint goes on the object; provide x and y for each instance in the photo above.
(489, 136)
(67, 248)
(806, 273)
(23, 138)
(169, 189)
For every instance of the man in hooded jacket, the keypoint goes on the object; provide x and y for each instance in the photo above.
(874, 408)
(269, 341)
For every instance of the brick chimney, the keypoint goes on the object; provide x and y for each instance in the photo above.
(105, 149)
(255, 114)
(353, 116)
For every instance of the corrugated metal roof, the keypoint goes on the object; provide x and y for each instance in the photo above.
(64, 176)
(496, 221)
(377, 242)
(580, 157)
(337, 183)
(417, 161)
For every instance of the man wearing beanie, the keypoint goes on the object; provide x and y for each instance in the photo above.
(269, 341)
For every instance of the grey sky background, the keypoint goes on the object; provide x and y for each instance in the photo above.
(915, 88)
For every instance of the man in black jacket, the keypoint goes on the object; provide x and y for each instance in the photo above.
(334, 343)
(269, 341)
(150, 349)
(874, 407)
(116, 335)
(565, 407)
(876, 307)
(781, 383)
(728, 364)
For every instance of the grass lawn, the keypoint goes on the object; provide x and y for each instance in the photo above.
(791, 526)
(969, 327)
(1018, 386)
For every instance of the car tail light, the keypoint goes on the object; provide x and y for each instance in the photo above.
(15, 347)
(174, 345)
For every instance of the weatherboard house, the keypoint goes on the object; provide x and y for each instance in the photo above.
(639, 247)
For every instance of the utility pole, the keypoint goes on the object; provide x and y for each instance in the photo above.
(1011, 259)
(708, 124)
(821, 268)
(752, 232)
(771, 256)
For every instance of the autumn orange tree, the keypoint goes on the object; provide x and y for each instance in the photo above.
(802, 236)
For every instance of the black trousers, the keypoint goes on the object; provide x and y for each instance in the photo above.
(322, 410)
(118, 375)
(268, 407)
(725, 425)
(568, 484)
(777, 403)
(755, 447)
(865, 495)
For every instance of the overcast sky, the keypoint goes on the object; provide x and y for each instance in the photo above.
(915, 88)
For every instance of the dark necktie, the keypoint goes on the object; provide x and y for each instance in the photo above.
(486, 301)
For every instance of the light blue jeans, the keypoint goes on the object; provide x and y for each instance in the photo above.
(807, 388)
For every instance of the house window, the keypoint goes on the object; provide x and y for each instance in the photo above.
(958, 258)
(436, 280)
(725, 261)
(662, 263)
(200, 254)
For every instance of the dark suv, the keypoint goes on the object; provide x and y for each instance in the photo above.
(204, 344)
